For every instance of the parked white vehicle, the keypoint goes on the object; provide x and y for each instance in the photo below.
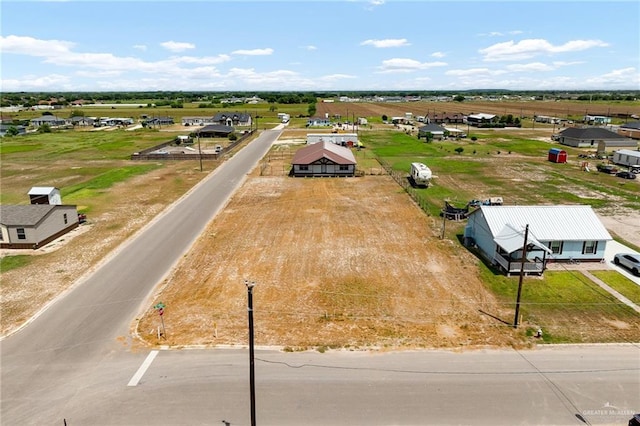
(628, 260)
(421, 174)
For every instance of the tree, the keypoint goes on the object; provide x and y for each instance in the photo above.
(384, 117)
(459, 150)
(311, 110)
(458, 98)
(45, 128)
(12, 131)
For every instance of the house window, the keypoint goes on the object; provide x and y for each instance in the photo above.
(64, 216)
(589, 247)
(21, 234)
(344, 168)
(302, 168)
(556, 247)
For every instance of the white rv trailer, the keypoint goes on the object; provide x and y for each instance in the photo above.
(420, 174)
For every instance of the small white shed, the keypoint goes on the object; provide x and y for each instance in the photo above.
(45, 195)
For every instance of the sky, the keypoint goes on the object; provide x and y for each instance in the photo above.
(371, 45)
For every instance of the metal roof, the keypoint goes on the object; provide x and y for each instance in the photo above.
(336, 153)
(547, 223)
(511, 239)
(42, 190)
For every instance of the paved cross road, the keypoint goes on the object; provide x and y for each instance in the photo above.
(72, 363)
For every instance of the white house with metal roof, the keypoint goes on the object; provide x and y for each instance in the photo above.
(555, 234)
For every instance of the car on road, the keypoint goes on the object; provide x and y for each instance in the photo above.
(626, 175)
(635, 169)
(630, 261)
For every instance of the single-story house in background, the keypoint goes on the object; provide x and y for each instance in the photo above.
(4, 128)
(318, 122)
(158, 121)
(594, 137)
(215, 130)
(556, 233)
(434, 117)
(436, 131)
(232, 119)
(481, 118)
(343, 139)
(596, 119)
(82, 121)
(51, 120)
(323, 159)
(630, 130)
(196, 121)
(32, 226)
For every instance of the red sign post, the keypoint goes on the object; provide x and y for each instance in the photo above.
(160, 308)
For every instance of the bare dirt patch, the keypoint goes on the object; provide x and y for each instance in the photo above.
(338, 262)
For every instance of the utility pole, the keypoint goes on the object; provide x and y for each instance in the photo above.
(252, 376)
(524, 257)
(444, 220)
(199, 150)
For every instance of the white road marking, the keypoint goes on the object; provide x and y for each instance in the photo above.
(143, 369)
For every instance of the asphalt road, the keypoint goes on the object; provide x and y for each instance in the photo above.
(85, 325)
(73, 363)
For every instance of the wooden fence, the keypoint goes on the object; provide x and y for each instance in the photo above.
(402, 178)
(151, 154)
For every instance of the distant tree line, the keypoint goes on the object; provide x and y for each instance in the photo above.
(176, 99)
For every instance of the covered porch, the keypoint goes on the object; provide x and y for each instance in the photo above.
(508, 254)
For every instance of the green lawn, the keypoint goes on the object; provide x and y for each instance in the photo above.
(621, 284)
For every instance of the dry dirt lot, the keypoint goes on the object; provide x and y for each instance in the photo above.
(347, 262)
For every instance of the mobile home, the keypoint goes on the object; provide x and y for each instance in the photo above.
(627, 157)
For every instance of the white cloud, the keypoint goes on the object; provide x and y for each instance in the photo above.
(31, 82)
(140, 47)
(438, 55)
(34, 47)
(539, 66)
(531, 67)
(311, 47)
(525, 49)
(622, 78)
(474, 72)
(253, 52)
(336, 77)
(405, 65)
(176, 46)
(390, 42)
(373, 4)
